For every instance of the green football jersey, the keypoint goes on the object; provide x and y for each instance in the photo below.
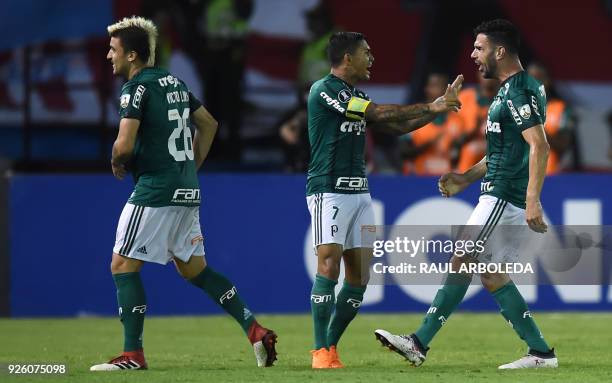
(163, 163)
(520, 104)
(336, 131)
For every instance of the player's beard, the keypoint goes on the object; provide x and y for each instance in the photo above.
(490, 68)
(122, 71)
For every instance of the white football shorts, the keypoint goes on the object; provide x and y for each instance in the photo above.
(338, 218)
(157, 234)
(502, 227)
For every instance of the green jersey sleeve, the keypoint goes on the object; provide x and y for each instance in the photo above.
(337, 98)
(194, 103)
(525, 110)
(132, 100)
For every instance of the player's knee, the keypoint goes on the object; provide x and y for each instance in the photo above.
(121, 264)
(328, 261)
(329, 270)
(190, 269)
(117, 265)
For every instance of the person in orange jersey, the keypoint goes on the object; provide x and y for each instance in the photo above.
(560, 122)
(426, 151)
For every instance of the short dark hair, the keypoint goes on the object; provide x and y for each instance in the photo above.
(341, 43)
(501, 32)
(134, 39)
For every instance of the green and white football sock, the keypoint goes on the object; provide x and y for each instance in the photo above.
(347, 305)
(514, 309)
(225, 294)
(321, 306)
(446, 301)
(132, 307)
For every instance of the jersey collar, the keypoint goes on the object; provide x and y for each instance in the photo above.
(511, 77)
(352, 88)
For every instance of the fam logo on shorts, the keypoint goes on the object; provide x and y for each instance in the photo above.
(125, 100)
(344, 95)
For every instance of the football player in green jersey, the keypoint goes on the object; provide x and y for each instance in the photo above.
(513, 173)
(161, 222)
(337, 188)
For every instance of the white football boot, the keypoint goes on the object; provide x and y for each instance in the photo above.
(533, 361)
(404, 345)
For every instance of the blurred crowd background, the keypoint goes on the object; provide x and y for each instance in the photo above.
(252, 61)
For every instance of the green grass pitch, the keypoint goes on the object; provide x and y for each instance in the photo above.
(213, 349)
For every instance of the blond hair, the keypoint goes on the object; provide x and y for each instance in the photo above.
(141, 23)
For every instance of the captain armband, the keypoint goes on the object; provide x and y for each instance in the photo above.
(356, 108)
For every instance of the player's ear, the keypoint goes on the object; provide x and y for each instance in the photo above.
(500, 52)
(348, 58)
(131, 56)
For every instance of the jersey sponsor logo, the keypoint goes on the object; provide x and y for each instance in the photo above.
(354, 302)
(432, 310)
(332, 102)
(320, 298)
(138, 96)
(442, 320)
(534, 104)
(486, 187)
(493, 127)
(352, 183)
(525, 111)
(515, 115)
(344, 95)
(142, 250)
(186, 195)
(356, 127)
(125, 101)
(527, 314)
(168, 80)
(229, 294)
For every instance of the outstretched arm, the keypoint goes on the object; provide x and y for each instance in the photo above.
(401, 128)
(402, 119)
